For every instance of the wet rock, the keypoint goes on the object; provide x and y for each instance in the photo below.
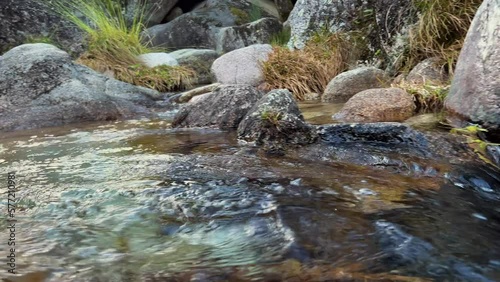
(157, 59)
(199, 60)
(374, 133)
(347, 84)
(475, 89)
(424, 121)
(378, 105)
(400, 248)
(224, 108)
(242, 66)
(276, 120)
(494, 154)
(257, 32)
(21, 20)
(40, 86)
(427, 72)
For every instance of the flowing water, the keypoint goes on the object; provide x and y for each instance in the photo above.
(138, 201)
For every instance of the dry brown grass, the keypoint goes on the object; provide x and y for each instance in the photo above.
(309, 70)
(441, 30)
(161, 78)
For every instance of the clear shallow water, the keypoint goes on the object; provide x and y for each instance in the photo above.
(138, 201)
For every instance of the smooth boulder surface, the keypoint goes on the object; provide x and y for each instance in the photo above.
(224, 108)
(378, 105)
(427, 72)
(199, 60)
(345, 85)
(40, 86)
(157, 59)
(242, 66)
(257, 32)
(276, 120)
(475, 90)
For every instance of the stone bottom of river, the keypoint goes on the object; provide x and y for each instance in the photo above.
(138, 201)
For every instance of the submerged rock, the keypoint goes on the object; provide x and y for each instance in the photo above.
(40, 86)
(276, 119)
(475, 90)
(224, 108)
(378, 105)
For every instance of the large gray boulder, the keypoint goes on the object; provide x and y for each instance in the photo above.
(224, 108)
(276, 120)
(345, 85)
(199, 60)
(200, 27)
(242, 66)
(382, 23)
(25, 20)
(236, 37)
(475, 90)
(40, 86)
(155, 10)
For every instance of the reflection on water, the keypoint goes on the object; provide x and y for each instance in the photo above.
(138, 201)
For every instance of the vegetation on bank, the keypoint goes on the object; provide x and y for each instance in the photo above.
(114, 44)
(428, 97)
(440, 31)
(309, 70)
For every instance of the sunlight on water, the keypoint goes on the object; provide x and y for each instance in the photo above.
(127, 200)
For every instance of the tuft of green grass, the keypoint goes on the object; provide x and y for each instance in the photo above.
(281, 38)
(241, 16)
(309, 70)
(429, 98)
(114, 44)
(441, 30)
(255, 12)
(271, 117)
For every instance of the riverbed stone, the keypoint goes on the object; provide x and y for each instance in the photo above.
(276, 120)
(242, 66)
(40, 86)
(378, 105)
(475, 91)
(347, 84)
(224, 108)
(199, 60)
